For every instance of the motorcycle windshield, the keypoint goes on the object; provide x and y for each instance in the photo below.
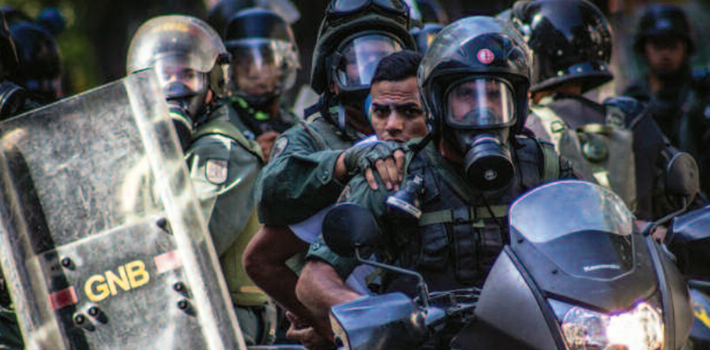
(103, 245)
(585, 229)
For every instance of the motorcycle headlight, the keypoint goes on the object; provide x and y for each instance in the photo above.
(640, 328)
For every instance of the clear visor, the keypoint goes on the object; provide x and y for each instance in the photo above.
(360, 58)
(262, 66)
(480, 103)
(177, 78)
(172, 35)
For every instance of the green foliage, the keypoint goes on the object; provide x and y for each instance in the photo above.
(78, 55)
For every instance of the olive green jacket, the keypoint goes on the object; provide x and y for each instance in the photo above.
(298, 180)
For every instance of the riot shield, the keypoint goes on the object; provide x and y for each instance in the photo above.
(102, 242)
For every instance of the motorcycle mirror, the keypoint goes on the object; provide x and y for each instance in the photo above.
(682, 176)
(348, 227)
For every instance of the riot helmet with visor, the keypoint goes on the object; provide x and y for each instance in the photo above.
(186, 53)
(264, 55)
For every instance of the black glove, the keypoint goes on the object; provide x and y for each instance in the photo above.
(362, 156)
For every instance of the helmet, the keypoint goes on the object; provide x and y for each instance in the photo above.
(425, 35)
(14, 15)
(668, 20)
(264, 55)
(432, 12)
(219, 16)
(8, 55)
(52, 20)
(349, 27)
(184, 45)
(475, 47)
(40, 61)
(570, 40)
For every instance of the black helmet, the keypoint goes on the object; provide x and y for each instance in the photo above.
(40, 61)
(10, 61)
(570, 40)
(425, 35)
(14, 15)
(430, 11)
(347, 20)
(475, 47)
(219, 15)
(264, 55)
(664, 20)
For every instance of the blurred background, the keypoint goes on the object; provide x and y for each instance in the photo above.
(97, 33)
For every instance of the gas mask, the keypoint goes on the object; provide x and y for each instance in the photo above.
(183, 87)
(480, 113)
(488, 163)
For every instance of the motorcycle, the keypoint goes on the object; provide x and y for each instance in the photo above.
(577, 274)
(688, 239)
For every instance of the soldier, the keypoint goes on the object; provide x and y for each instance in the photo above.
(188, 56)
(614, 143)
(307, 169)
(679, 100)
(264, 65)
(474, 81)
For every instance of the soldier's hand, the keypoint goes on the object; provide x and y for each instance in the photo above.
(306, 334)
(266, 142)
(385, 156)
(390, 170)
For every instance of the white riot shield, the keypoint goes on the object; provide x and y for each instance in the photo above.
(102, 243)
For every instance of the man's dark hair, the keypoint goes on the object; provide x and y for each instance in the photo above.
(398, 66)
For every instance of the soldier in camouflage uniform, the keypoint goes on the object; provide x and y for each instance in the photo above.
(188, 56)
(474, 79)
(264, 65)
(678, 98)
(306, 171)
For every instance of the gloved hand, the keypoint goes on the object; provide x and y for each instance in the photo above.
(384, 157)
(361, 157)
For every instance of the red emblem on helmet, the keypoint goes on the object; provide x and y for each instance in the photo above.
(485, 56)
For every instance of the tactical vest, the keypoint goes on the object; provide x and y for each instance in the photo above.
(461, 231)
(242, 289)
(601, 152)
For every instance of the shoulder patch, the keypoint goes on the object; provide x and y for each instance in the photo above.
(216, 171)
(279, 146)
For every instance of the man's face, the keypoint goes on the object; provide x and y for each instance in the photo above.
(255, 73)
(396, 111)
(480, 103)
(173, 72)
(665, 54)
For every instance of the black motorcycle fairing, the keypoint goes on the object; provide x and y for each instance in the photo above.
(552, 272)
(688, 238)
(520, 313)
(675, 297)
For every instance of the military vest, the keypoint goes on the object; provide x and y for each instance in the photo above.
(461, 231)
(602, 152)
(242, 289)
